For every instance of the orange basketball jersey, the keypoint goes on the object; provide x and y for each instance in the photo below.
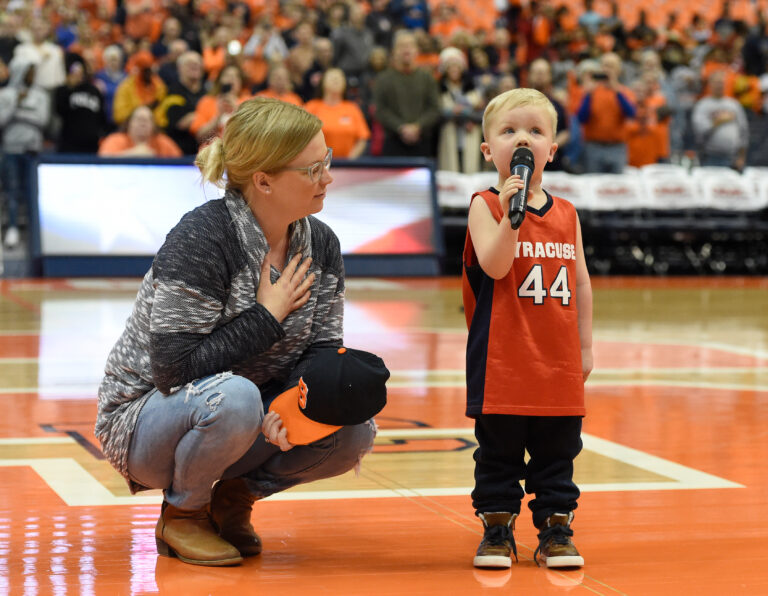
(523, 350)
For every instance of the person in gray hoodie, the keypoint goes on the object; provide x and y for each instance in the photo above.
(25, 110)
(720, 125)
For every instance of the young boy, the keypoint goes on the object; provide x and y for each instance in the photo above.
(528, 303)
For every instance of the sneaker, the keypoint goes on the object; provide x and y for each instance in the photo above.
(555, 546)
(498, 543)
(12, 237)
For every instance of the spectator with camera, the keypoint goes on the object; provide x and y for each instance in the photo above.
(141, 88)
(606, 108)
(265, 45)
(213, 110)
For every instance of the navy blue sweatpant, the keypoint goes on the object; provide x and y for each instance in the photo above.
(553, 442)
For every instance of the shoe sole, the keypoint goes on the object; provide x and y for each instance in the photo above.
(496, 561)
(165, 550)
(572, 561)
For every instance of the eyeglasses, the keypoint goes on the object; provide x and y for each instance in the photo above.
(315, 171)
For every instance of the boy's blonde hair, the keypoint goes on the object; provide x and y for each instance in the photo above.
(263, 135)
(516, 98)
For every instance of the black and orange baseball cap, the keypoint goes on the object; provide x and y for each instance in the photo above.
(331, 387)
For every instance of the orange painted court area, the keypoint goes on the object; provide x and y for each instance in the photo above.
(673, 473)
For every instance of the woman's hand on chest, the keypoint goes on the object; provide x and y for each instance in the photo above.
(290, 291)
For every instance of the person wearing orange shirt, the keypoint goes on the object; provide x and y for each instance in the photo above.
(445, 22)
(140, 139)
(645, 137)
(344, 126)
(143, 19)
(279, 86)
(213, 110)
(528, 307)
(215, 52)
(604, 111)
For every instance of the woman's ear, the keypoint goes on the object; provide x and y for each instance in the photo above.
(262, 182)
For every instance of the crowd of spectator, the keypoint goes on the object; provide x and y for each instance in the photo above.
(387, 77)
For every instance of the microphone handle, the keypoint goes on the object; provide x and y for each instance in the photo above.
(519, 200)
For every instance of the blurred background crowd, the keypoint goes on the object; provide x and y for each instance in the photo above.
(682, 83)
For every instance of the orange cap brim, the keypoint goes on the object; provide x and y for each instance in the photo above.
(301, 430)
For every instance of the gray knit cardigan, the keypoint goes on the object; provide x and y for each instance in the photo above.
(196, 314)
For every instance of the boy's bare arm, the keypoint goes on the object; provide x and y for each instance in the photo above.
(494, 241)
(584, 304)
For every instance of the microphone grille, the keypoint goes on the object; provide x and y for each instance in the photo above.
(522, 157)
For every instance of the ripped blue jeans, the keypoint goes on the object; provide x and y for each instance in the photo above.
(211, 429)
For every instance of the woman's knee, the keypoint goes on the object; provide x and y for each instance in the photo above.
(236, 401)
(354, 442)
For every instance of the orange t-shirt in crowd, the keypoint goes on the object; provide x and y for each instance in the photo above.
(206, 6)
(289, 97)
(654, 102)
(146, 23)
(575, 92)
(446, 29)
(205, 111)
(208, 108)
(606, 120)
(214, 60)
(343, 125)
(476, 15)
(644, 144)
(428, 61)
(115, 144)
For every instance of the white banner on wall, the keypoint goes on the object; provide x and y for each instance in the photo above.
(657, 186)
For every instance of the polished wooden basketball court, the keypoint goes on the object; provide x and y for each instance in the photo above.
(674, 473)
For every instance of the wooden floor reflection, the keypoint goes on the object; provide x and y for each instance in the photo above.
(673, 472)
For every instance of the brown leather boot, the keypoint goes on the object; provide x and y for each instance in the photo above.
(555, 545)
(231, 506)
(190, 536)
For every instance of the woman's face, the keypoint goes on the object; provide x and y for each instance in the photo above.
(113, 61)
(280, 80)
(378, 59)
(454, 70)
(334, 82)
(293, 191)
(230, 76)
(141, 125)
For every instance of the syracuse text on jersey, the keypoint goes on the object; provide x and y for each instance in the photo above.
(541, 250)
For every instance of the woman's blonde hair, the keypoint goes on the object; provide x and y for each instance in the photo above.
(516, 98)
(263, 135)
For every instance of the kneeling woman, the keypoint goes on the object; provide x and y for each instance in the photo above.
(242, 287)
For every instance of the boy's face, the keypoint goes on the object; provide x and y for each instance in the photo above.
(523, 126)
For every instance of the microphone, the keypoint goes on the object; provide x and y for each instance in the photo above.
(522, 165)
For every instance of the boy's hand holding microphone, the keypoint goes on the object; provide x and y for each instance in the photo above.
(521, 165)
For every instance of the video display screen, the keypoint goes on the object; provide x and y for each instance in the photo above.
(126, 209)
